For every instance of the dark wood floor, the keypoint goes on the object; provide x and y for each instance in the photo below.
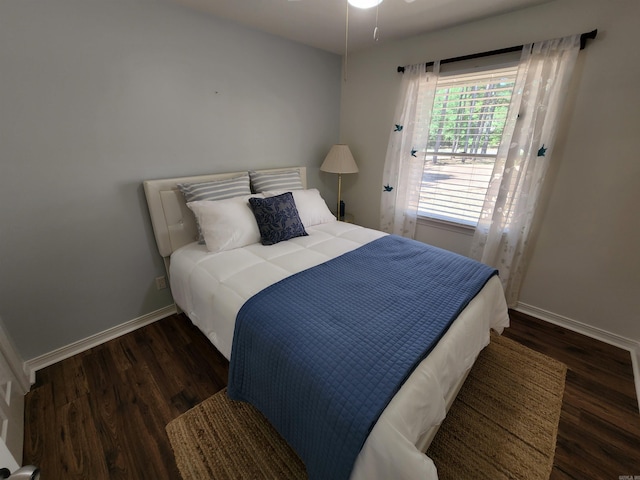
(599, 431)
(101, 414)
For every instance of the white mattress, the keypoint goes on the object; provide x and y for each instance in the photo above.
(211, 288)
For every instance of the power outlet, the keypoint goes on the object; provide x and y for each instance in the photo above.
(161, 283)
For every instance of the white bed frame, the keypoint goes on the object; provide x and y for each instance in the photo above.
(174, 226)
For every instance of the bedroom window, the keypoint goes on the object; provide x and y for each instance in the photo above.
(466, 128)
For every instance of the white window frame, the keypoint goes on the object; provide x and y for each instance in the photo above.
(449, 78)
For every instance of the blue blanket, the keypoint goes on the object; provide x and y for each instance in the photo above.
(321, 353)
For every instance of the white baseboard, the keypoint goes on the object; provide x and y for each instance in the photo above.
(35, 364)
(607, 337)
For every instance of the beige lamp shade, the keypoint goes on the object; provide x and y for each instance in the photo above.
(339, 160)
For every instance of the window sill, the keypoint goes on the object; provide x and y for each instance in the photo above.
(446, 225)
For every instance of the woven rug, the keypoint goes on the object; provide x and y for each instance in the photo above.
(502, 425)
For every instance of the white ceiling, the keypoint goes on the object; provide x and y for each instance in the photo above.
(321, 23)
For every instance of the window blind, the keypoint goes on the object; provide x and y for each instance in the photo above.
(461, 142)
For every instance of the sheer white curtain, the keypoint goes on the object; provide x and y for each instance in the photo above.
(404, 164)
(504, 227)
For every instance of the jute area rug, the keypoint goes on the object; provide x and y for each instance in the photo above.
(502, 425)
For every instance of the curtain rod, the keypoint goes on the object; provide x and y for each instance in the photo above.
(583, 43)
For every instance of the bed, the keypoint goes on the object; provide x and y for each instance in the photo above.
(211, 285)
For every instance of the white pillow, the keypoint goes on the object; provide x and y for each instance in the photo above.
(312, 208)
(215, 190)
(226, 224)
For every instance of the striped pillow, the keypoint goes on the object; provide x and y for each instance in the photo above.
(283, 181)
(215, 190)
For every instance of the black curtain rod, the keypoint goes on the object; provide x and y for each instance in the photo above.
(583, 43)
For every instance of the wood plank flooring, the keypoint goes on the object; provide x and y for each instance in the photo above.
(101, 414)
(599, 431)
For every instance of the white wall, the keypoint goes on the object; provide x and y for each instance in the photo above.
(95, 97)
(585, 264)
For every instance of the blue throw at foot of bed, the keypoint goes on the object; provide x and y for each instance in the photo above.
(322, 352)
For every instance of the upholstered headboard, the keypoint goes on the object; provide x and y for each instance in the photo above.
(173, 223)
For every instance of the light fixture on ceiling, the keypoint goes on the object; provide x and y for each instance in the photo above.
(364, 3)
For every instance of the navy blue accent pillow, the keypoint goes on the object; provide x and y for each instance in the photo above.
(277, 218)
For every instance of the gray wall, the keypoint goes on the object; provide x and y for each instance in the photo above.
(95, 97)
(585, 263)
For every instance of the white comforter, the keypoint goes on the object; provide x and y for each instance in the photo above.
(211, 288)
